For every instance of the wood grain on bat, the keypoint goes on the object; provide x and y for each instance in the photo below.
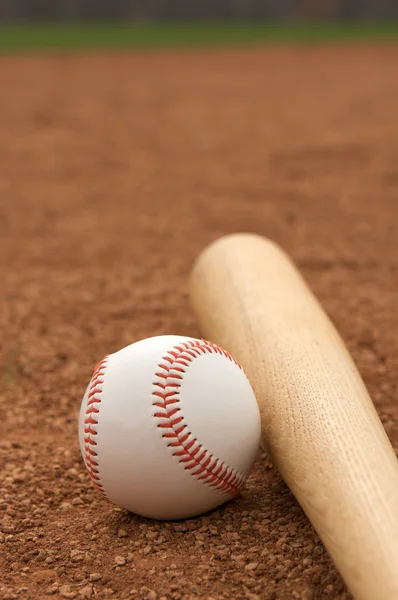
(319, 423)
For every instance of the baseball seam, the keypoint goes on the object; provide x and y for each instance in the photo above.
(186, 448)
(91, 423)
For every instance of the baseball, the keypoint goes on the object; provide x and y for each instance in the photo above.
(169, 427)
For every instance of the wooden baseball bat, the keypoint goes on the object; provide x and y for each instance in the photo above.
(318, 421)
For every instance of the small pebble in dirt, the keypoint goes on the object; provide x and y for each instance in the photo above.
(65, 591)
(76, 555)
(86, 591)
(120, 561)
(122, 533)
(95, 576)
(251, 566)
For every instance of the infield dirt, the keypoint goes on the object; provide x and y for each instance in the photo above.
(115, 171)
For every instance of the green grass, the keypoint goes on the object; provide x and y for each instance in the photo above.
(56, 37)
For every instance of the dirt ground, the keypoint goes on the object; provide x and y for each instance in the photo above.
(115, 172)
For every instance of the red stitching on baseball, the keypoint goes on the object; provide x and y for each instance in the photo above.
(204, 465)
(90, 423)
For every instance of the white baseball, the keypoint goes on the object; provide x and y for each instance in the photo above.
(169, 427)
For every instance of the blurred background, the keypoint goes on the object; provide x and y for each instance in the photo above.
(155, 10)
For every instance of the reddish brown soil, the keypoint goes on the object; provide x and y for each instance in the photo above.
(115, 171)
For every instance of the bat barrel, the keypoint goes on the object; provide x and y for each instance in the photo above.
(318, 421)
